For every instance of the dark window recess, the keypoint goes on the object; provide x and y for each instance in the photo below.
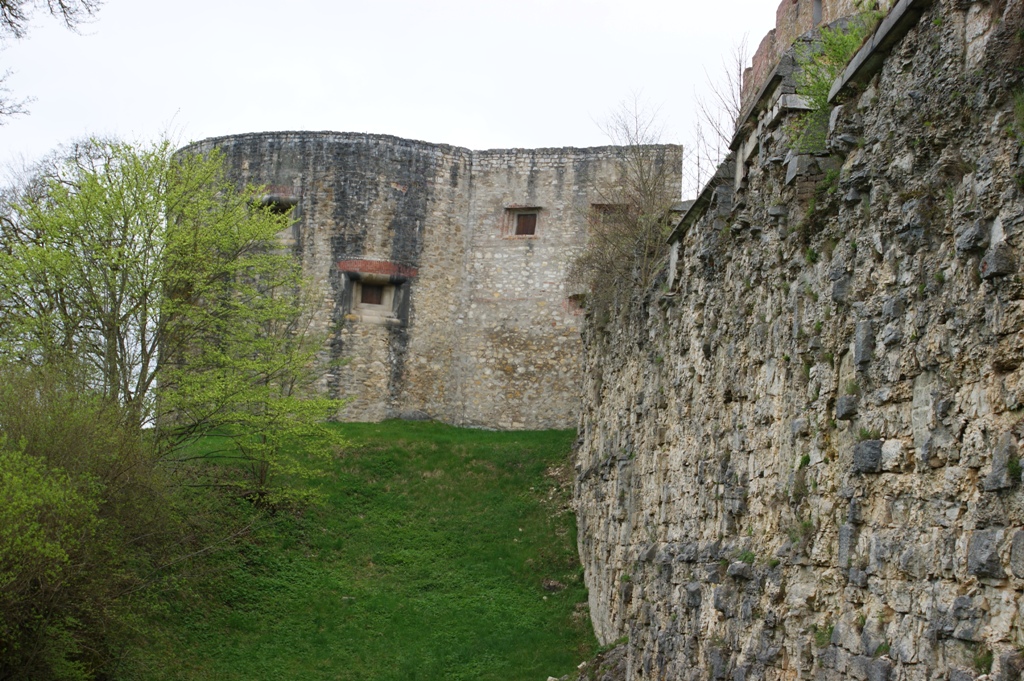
(279, 203)
(526, 224)
(373, 294)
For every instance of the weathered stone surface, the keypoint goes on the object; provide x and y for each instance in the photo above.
(740, 570)
(841, 288)
(892, 455)
(847, 543)
(998, 261)
(973, 237)
(891, 335)
(846, 407)
(799, 165)
(863, 343)
(896, 543)
(894, 307)
(1005, 451)
(1010, 666)
(1017, 554)
(867, 456)
(476, 325)
(983, 554)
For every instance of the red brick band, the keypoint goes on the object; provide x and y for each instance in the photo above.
(377, 267)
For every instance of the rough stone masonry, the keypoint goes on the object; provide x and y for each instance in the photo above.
(439, 272)
(800, 450)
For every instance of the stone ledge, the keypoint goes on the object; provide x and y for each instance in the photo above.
(869, 59)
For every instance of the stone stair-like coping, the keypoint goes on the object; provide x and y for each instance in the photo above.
(869, 59)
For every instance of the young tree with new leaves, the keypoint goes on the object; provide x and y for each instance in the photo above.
(166, 283)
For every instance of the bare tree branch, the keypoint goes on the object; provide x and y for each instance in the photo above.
(717, 116)
(627, 228)
(15, 15)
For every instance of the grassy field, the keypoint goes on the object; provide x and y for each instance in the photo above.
(440, 553)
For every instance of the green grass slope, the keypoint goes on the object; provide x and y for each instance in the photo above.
(441, 553)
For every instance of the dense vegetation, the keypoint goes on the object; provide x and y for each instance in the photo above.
(172, 498)
(143, 305)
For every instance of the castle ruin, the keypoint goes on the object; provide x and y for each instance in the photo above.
(439, 271)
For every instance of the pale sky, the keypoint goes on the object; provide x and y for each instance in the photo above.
(472, 73)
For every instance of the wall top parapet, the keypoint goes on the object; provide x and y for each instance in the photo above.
(327, 136)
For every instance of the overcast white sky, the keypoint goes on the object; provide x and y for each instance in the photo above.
(473, 73)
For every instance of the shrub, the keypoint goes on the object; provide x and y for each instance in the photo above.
(821, 62)
(1018, 115)
(1013, 467)
(822, 635)
(983, 660)
(87, 518)
(628, 229)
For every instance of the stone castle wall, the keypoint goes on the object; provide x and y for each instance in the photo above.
(475, 326)
(800, 449)
(793, 19)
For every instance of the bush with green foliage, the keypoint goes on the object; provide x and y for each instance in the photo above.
(87, 519)
(820, 63)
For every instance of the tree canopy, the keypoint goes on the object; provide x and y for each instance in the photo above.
(165, 283)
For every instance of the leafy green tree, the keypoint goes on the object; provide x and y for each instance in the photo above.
(145, 304)
(166, 282)
(81, 260)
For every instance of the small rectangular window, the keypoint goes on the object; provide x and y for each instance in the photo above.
(526, 224)
(373, 294)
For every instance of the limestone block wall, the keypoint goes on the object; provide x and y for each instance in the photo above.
(367, 199)
(433, 307)
(519, 330)
(801, 460)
